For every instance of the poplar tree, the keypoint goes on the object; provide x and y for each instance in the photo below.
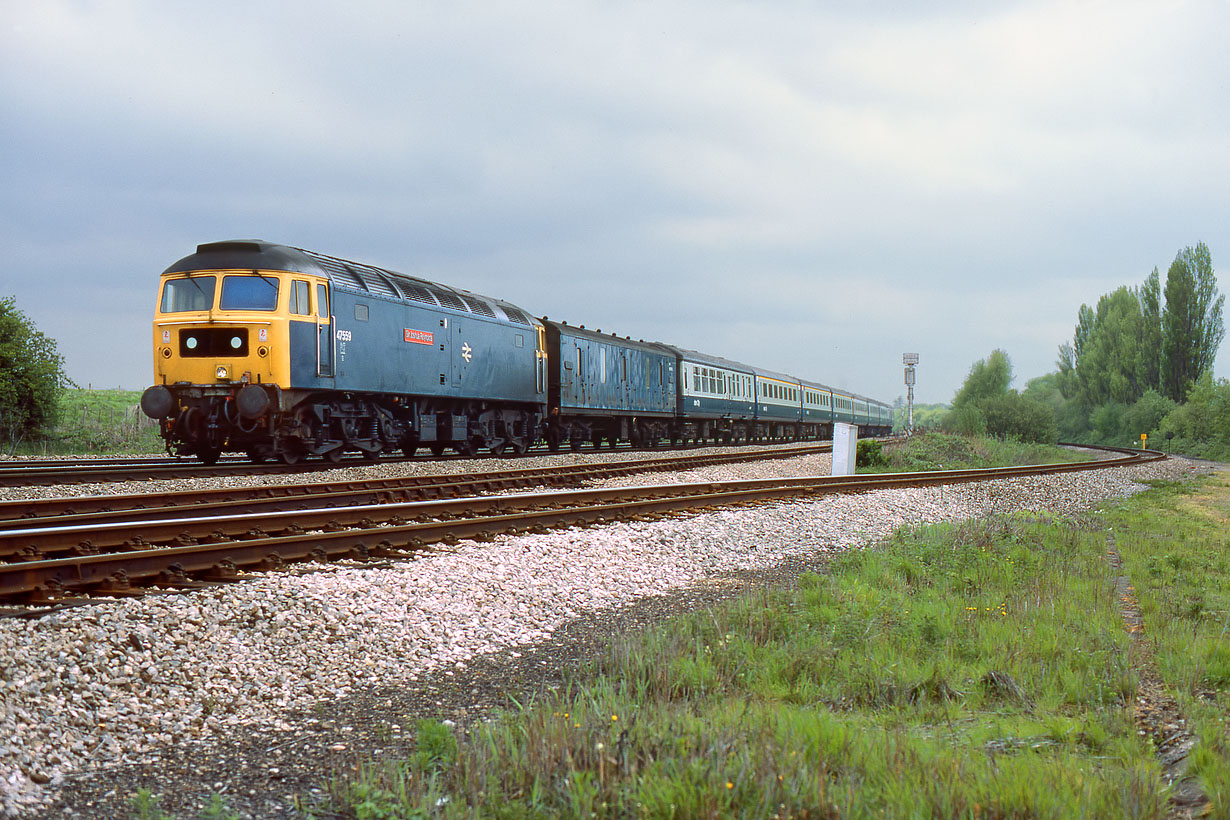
(1150, 364)
(1192, 328)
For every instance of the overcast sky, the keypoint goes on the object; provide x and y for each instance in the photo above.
(811, 187)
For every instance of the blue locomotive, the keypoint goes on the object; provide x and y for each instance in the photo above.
(284, 353)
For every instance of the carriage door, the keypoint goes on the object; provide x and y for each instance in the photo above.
(324, 332)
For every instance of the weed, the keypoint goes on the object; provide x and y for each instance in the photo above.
(144, 806)
(217, 809)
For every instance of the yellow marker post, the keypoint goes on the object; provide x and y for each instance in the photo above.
(1143, 438)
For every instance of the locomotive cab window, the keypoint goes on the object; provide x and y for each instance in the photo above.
(322, 300)
(192, 293)
(300, 304)
(249, 293)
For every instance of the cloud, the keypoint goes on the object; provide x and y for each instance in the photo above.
(761, 180)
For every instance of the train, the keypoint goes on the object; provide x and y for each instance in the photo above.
(283, 353)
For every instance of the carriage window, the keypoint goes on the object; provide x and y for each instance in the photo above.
(249, 293)
(193, 293)
(322, 301)
(299, 298)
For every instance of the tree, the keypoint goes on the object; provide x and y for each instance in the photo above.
(985, 405)
(987, 378)
(1149, 371)
(1192, 328)
(31, 375)
(1113, 356)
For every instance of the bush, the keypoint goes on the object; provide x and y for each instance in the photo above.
(870, 453)
(31, 375)
(966, 420)
(1014, 416)
(1202, 425)
(1146, 414)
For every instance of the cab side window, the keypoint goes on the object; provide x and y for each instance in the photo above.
(322, 302)
(299, 302)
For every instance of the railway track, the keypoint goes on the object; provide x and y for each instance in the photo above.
(53, 472)
(56, 556)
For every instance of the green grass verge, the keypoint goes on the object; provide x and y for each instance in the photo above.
(1175, 544)
(98, 422)
(979, 670)
(945, 451)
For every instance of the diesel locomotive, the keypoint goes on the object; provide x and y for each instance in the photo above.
(284, 353)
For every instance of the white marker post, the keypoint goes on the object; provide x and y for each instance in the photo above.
(845, 448)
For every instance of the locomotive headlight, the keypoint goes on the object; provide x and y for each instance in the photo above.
(223, 372)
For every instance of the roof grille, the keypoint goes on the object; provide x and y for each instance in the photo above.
(338, 270)
(415, 291)
(515, 315)
(448, 299)
(378, 283)
(478, 306)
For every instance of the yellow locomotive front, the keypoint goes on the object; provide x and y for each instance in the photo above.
(222, 356)
(220, 328)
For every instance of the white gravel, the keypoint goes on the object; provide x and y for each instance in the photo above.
(114, 683)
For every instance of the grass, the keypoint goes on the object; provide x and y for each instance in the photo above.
(98, 422)
(943, 451)
(1176, 548)
(973, 670)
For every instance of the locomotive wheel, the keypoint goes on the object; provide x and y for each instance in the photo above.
(209, 456)
(437, 448)
(291, 454)
(335, 455)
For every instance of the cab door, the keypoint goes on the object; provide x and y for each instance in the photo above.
(324, 332)
(540, 360)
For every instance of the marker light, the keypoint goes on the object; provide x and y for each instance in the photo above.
(222, 372)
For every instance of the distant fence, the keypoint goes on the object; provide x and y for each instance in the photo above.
(128, 419)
